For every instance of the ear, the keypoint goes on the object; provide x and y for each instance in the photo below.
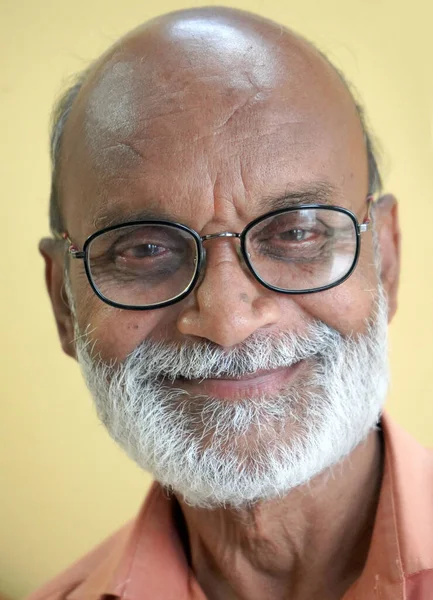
(54, 279)
(389, 238)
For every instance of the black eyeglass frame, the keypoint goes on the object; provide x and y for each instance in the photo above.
(83, 254)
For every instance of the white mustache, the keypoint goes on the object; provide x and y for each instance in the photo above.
(158, 360)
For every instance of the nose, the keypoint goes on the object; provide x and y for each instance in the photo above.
(229, 304)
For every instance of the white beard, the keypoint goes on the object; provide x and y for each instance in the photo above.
(233, 453)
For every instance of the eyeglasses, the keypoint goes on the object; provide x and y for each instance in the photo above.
(150, 264)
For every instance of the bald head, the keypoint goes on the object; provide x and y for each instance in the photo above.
(191, 75)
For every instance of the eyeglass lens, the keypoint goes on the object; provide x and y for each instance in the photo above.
(142, 265)
(148, 264)
(304, 249)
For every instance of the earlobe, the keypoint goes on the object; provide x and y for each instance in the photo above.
(54, 279)
(389, 240)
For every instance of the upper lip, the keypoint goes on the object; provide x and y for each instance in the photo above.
(227, 377)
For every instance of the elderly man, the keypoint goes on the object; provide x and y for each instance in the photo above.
(224, 270)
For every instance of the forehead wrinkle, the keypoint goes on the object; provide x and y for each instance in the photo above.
(119, 126)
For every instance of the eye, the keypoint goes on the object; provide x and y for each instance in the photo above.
(297, 235)
(143, 251)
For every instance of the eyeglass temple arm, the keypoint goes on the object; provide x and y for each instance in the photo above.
(73, 251)
(365, 225)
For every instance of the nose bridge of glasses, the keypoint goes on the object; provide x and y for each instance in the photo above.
(222, 234)
(211, 236)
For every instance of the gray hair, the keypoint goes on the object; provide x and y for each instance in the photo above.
(59, 117)
(65, 102)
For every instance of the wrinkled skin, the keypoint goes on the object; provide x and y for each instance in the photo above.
(206, 117)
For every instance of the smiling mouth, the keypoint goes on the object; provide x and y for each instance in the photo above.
(251, 384)
(225, 377)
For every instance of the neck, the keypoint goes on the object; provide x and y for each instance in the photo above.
(310, 544)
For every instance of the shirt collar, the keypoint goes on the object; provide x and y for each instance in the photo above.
(151, 556)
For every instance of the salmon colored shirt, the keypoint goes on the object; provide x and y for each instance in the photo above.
(146, 560)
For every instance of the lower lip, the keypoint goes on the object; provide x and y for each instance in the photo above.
(262, 382)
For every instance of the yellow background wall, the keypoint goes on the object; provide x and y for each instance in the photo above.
(63, 484)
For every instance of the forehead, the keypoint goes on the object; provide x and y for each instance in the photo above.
(193, 138)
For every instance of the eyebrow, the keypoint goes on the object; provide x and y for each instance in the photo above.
(117, 215)
(320, 192)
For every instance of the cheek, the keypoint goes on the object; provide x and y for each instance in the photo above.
(114, 333)
(347, 306)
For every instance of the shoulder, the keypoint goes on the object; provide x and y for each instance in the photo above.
(64, 584)
(105, 569)
(409, 467)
